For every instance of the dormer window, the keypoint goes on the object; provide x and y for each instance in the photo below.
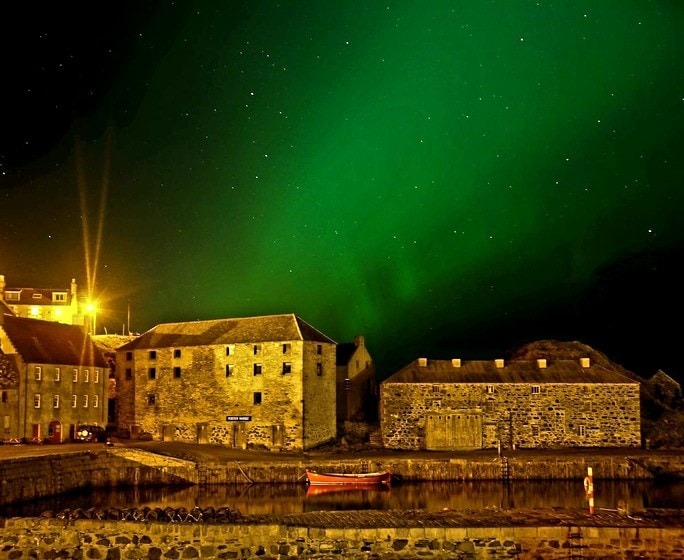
(59, 296)
(12, 296)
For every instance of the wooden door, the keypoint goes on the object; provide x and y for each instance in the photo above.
(453, 430)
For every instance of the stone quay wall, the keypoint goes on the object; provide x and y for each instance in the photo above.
(26, 478)
(22, 538)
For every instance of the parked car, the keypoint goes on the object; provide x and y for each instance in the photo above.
(89, 433)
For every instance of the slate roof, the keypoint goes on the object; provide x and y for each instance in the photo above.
(518, 371)
(48, 342)
(267, 328)
(38, 296)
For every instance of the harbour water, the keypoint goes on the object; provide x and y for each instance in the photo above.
(261, 499)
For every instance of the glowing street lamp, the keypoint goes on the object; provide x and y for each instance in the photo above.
(92, 311)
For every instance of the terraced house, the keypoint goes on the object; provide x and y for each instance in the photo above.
(450, 404)
(53, 378)
(255, 381)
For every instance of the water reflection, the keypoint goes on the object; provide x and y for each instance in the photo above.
(259, 499)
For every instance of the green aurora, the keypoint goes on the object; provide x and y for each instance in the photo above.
(448, 178)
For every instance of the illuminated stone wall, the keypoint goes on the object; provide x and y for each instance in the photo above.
(558, 415)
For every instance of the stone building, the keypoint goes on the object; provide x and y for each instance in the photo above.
(450, 404)
(53, 378)
(63, 305)
(256, 381)
(357, 394)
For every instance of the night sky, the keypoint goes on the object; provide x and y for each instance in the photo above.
(448, 178)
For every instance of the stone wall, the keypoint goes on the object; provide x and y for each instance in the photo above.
(48, 475)
(514, 414)
(113, 540)
(196, 392)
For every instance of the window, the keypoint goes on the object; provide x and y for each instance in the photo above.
(96, 376)
(490, 389)
(581, 431)
(129, 356)
(436, 389)
(13, 296)
(5, 396)
(535, 430)
(287, 368)
(38, 374)
(36, 400)
(86, 375)
(129, 374)
(55, 401)
(319, 369)
(74, 400)
(257, 369)
(347, 384)
(59, 296)
(257, 397)
(319, 349)
(74, 375)
(85, 401)
(257, 349)
(96, 401)
(535, 389)
(177, 353)
(152, 373)
(58, 374)
(151, 400)
(229, 370)
(287, 347)
(37, 296)
(230, 350)
(177, 372)
(153, 355)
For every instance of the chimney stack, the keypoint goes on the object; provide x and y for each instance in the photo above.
(456, 362)
(585, 362)
(422, 362)
(499, 362)
(541, 363)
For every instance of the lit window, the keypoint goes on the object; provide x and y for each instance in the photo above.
(229, 370)
(257, 397)
(38, 373)
(35, 311)
(152, 373)
(85, 401)
(74, 375)
(74, 400)
(176, 372)
(55, 401)
(177, 353)
(58, 374)
(319, 369)
(535, 389)
(96, 401)
(287, 368)
(36, 400)
(96, 376)
(257, 369)
(86, 375)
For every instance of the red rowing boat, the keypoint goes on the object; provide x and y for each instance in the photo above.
(316, 478)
